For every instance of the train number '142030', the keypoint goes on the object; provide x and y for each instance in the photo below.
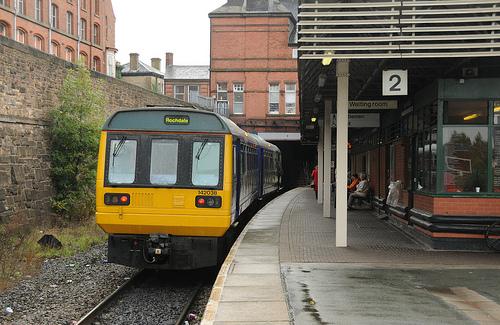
(207, 192)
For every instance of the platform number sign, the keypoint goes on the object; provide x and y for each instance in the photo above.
(395, 83)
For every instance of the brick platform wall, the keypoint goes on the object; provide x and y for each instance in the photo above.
(29, 84)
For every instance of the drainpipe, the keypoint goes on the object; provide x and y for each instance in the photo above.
(50, 26)
(78, 31)
(14, 24)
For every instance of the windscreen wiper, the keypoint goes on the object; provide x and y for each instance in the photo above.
(201, 149)
(118, 148)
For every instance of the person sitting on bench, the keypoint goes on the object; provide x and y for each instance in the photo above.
(361, 191)
(354, 182)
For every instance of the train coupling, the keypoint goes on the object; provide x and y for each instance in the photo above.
(158, 248)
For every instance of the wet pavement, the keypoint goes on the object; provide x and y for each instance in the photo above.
(285, 269)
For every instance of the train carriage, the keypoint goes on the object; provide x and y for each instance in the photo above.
(171, 182)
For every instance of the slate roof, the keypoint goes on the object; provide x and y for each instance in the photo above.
(261, 7)
(258, 6)
(188, 72)
(144, 69)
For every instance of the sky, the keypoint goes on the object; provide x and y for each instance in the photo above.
(153, 27)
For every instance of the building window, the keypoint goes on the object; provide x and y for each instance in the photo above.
(83, 29)
(21, 36)
(38, 42)
(54, 48)
(38, 10)
(3, 29)
(20, 7)
(238, 96)
(193, 93)
(96, 64)
(179, 92)
(290, 98)
(97, 36)
(2, 2)
(84, 58)
(274, 98)
(69, 54)
(222, 103)
(54, 16)
(96, 7)
(69, 22)
(496, 146)
(83, 3)
(466, 112)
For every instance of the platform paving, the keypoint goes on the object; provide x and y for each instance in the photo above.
(285, 269)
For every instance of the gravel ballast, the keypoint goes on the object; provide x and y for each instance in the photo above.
(64, 290)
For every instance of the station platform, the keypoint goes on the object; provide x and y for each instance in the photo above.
(285, 269)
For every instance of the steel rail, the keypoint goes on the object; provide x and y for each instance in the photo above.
(185, 310)
(89, 317)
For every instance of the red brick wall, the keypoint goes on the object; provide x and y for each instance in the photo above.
(105, 19)
(422, 202)
(254, 51)
(463, 206)
(203, 86)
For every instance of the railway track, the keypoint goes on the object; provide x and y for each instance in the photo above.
(149, 297)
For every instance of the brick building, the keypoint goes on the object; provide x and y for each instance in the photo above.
(187, 82)
(253, 72)
(69, 29)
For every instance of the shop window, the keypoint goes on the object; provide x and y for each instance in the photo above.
(465, 159)
(425, 148)
(496, 150)
(238, 98)
(274, 98)
(465, 112)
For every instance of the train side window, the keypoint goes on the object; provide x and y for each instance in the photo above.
(164, 157)
(122, 161)
(206, 163)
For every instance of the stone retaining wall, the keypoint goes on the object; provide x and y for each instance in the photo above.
(30, 81)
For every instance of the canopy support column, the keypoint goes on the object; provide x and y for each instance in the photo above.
(342, 125)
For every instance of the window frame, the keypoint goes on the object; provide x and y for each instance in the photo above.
(5, 28)
(83, 29)
(56, 46)
(69, 51)
(291, 92)
(21, 32)
(96, 34)
(96, 64)
(178, 143)
(20, 7)
(239, 88)
(54, 16)
(69, 22)
(273, 92)
(38, 10)
(38, 38)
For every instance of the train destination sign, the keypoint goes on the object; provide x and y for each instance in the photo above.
(372, 104)
(177, 120)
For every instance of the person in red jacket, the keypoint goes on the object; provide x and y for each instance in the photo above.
(314, 176)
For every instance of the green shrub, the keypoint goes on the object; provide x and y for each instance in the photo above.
(74, 134)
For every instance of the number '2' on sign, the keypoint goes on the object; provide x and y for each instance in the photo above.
(395, 83)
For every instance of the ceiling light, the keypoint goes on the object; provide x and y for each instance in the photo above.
(327, 59)
(497, 109)
(313, 119)
(471, 117)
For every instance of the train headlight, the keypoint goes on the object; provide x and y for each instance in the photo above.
(208, 201)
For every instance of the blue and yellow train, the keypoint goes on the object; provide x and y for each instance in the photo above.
(173, 182)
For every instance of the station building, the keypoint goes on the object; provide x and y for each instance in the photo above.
(69, 29)
(435, 69)
(254, 75)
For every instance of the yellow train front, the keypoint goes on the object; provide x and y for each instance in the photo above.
(171, 183)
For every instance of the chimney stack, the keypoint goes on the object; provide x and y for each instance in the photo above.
(156, 63)
(134, 61)
(169, 59)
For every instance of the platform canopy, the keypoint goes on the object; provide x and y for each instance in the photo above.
(429, 38)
